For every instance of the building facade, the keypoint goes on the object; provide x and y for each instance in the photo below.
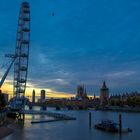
(43, 96)
(81, 93)
(104, 94)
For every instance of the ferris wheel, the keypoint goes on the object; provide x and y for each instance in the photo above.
(21, 57)
(22, 51)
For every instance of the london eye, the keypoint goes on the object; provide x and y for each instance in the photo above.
(21, 57)
(22, 51)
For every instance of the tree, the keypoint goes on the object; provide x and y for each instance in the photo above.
(2, 100)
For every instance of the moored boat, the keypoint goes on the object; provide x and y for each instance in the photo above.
(111, 126)
(107, 125)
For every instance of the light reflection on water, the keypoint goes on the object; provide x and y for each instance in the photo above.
(37, 117)
(75, 130)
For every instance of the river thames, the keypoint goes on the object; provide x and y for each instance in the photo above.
(75, 130)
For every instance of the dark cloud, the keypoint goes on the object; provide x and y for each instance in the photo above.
(85, 42)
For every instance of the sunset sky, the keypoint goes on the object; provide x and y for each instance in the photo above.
(85, 42)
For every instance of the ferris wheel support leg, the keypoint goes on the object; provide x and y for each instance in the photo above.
(6, 73)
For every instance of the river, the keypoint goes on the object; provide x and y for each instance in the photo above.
(75, 130)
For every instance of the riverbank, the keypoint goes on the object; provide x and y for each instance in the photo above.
(4, 129)
(120, 109)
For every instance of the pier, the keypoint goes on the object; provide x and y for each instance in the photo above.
(56, 116)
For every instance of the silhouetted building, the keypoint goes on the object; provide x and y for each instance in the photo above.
(33, 96)
(125, 99)
(43, 92)
(81, 93)
(6, 97)
(104, 94)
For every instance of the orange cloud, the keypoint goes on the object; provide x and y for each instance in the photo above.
(8, 88)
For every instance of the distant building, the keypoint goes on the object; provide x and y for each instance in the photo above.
(81, 93)
(6, 97)
(125, 99)
(43, 93)
(33, 96)
(104, 94)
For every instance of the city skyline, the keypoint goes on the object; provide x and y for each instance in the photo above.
(77, 45)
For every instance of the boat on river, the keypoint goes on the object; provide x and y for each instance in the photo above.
(111, 126)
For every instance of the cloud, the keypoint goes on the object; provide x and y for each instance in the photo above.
(121, 74)
(86, 44)
(58, 81)
(42, 58)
